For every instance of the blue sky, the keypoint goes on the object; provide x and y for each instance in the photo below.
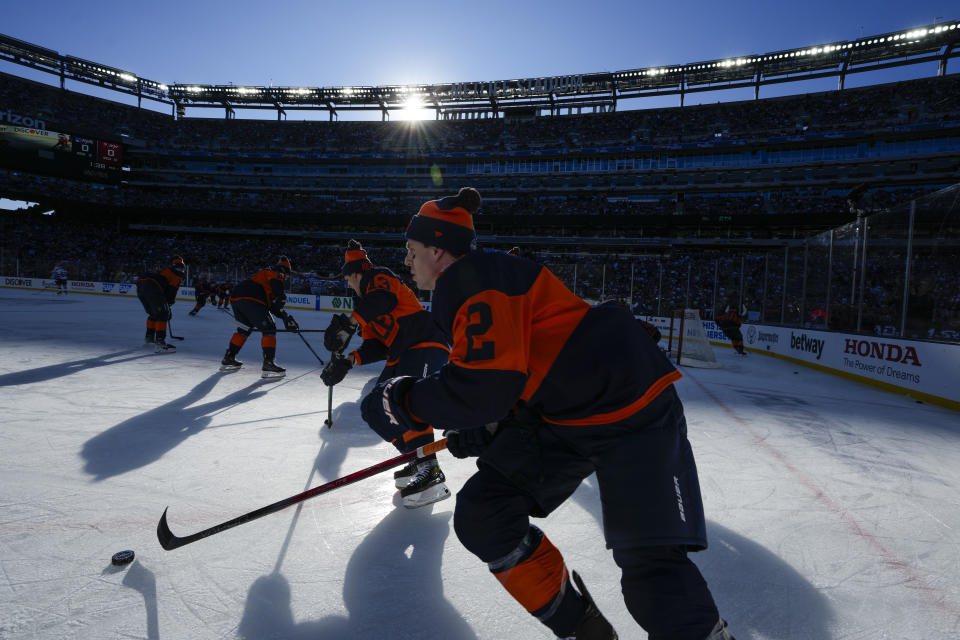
(375, 42)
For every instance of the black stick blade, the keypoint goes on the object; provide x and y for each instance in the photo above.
(167, 540)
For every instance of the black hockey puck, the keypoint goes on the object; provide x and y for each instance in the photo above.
(121, 558)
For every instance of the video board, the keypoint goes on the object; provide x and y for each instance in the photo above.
(58, 153)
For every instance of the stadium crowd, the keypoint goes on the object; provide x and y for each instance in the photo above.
(158, 142)
(655, 284)
(915, 102)
(312, 208)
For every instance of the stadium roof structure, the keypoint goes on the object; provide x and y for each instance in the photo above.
(553, 94)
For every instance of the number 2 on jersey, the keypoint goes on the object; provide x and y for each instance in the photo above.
(477, 349)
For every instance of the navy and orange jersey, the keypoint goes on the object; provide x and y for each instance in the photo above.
(729, 319)
(391, 318)
(519, 334)
(264, 287)
(201, 287)
(166, 280)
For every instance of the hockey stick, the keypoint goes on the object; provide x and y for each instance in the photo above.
(170, 332)
(329, 420)
(169, 541)
(309, 347)
(292, 330)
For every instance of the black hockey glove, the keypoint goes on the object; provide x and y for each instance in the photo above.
(290, 323)
(336, 369)
(469, 443)
(384, 409)
(338, 333)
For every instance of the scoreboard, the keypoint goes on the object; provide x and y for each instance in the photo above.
(61, 154)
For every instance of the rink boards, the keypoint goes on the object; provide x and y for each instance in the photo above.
(294, 300)
(924, 370)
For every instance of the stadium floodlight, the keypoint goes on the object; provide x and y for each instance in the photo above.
(414, 108)
(128, 77)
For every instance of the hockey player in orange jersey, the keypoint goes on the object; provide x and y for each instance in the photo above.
(156, 292)
(253, 301)
(395, 327)
(548, 390)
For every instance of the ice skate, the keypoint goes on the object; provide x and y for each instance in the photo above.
(230, 363)
(593, 626)
(426, 487)
(163, 347)
(271, 370)
(404, 476)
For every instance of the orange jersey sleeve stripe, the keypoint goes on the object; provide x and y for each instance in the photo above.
(428, 345)
(410, 435)
(621, 414)
(258, 300)
(537, 580)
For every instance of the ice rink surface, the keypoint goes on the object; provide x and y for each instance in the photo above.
(832, 508)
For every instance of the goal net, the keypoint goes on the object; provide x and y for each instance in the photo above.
(688, 342)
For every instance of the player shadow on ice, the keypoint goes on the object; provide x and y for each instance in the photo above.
(392, 588)
(142, 580)
(759, 595)
(142, 439)
(49, 372)
(348, 431)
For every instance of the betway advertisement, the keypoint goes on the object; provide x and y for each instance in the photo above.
(905, 366)
(910, 365)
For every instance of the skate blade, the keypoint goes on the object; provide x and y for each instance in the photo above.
(229, 367)
(273, 374)
(436, 493)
